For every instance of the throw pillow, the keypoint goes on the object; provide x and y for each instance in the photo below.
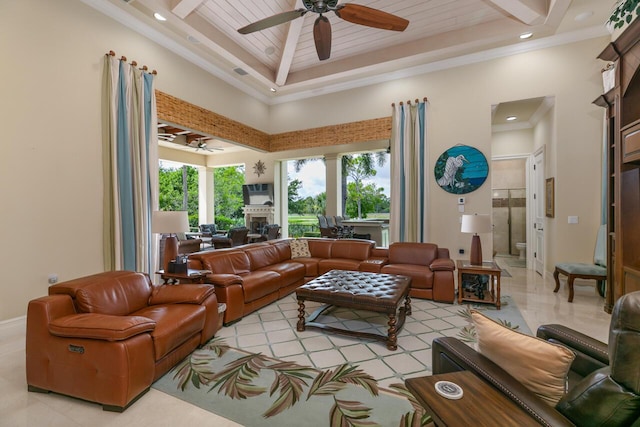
(539, 365)
(299, 248)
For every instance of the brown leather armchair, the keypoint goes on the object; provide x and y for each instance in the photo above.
(604, 380)
(106, 338)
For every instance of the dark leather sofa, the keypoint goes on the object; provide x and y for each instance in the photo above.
(604, 380)
(251, 276)
(106, 338)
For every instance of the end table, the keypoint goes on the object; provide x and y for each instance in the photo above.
(191, 276)
(481, 405)
(492, 295)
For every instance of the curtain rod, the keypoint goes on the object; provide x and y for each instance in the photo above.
(134, 63)
(393, 104)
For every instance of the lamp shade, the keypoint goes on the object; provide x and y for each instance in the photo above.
(167, 222)
(478, 223)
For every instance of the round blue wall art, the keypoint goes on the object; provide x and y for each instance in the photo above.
(461, 169)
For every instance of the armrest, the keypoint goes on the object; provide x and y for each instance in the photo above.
(180, 294)
(100, 326)
(450, 354)
(591, 354)
(224, 279)
(442, 264)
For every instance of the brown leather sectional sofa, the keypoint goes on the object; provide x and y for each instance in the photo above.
(107, 337)
(249, 277)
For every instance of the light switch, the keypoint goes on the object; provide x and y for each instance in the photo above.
(573, 219)
(461, 208)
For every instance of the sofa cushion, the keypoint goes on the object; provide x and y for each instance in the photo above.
(260, 283)
(351, 249)
(539, 365)
(299, 248)
(599, 400)
(290, 272)
(320, 248)
(117, 296)
(421, 276)
(175, 324)
(412, 253)
(262, 256)
(226, 261)
(283, 248)
(326, 265)
(100, 326)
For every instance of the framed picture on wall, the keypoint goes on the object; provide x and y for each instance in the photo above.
(549, 197)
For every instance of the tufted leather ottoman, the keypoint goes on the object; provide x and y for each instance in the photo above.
(381, 293)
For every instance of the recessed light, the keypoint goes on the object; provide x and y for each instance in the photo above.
(270, 50)
(524, 36)
(511, 118)
(272, 89)
(583, 16)
(159, 17)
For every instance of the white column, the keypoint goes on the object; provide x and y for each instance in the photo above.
(333, 164)
(206, 213)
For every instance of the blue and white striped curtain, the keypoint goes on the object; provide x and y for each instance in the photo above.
(409, 163)
(130, 160)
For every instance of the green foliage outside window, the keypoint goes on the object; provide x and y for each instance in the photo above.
(171, 191)
(228, 200)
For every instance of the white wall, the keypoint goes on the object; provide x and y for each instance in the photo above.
(51, 170)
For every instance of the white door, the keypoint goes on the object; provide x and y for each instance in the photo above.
(538, 211)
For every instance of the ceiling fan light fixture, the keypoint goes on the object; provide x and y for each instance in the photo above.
(159, 17)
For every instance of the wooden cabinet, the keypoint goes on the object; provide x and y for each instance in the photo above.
(623, 165)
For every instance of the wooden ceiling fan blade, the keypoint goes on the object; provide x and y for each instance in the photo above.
(370, 17)
(322, 37)
(272, 21)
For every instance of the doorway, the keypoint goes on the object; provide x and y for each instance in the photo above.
(520, 130)
(509, 209)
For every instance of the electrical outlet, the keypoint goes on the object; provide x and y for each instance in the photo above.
(53, 279)
(461, 251)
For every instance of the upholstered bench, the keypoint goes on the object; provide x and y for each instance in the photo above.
(580, 271)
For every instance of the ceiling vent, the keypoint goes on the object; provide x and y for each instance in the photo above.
(240, 71)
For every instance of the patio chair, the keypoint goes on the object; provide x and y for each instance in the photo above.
(596, 271)
(270, 232)
(345, 230)
(325, 229)
(235, 237)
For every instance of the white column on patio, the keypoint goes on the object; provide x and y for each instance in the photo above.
(206, 213)
(333, 165)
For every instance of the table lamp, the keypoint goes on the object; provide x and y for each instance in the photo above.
(169, 222)
(477, 223)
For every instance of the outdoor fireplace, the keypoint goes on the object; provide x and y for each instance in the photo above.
(257, 216)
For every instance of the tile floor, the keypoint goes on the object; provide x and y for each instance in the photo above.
(532, 294)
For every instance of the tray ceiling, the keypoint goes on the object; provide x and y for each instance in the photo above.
(284, 58)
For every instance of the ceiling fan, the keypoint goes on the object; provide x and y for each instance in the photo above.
(351, 12)
(168, 137)
(202, 145)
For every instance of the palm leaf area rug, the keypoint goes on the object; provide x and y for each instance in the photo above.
(261, 372)
(256, 390)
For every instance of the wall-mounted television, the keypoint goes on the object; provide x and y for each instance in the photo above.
(258, 194)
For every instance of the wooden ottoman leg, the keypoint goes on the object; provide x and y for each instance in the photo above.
(556, 272)
(570, 284)
(300, 327)
(392, 340)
